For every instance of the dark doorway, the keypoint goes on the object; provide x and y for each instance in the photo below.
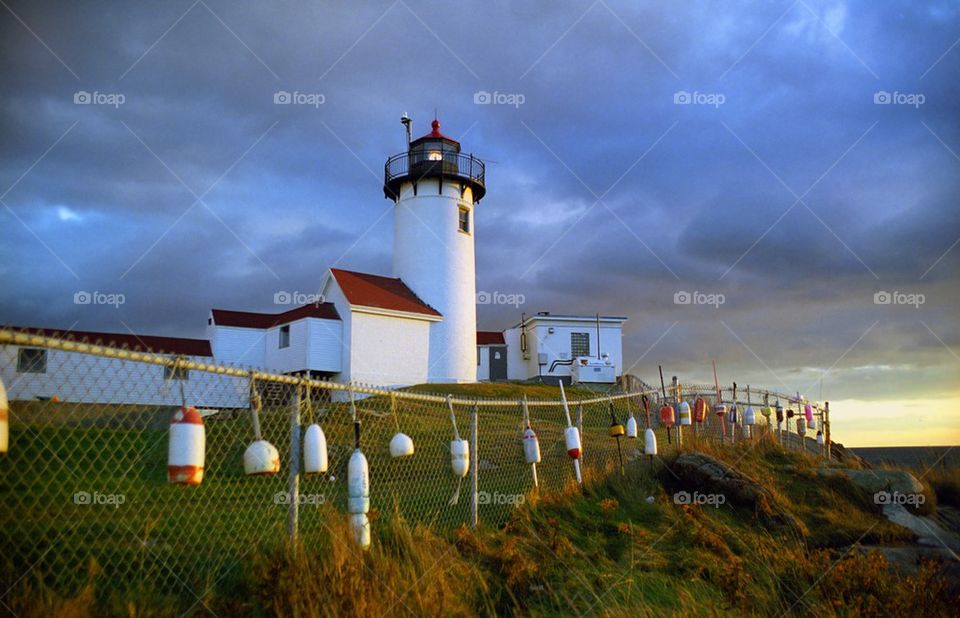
(498, 363)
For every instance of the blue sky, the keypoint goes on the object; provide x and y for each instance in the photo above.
(797, 158)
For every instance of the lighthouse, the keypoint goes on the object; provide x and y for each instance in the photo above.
(436, 189)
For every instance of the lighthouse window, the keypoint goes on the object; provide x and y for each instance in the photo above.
(465, 220)
(580, 344)
(285, 336)
(31, 360)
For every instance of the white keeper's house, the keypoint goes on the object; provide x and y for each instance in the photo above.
(417, 325)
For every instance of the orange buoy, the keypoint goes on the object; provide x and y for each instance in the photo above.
(185, 457)
(699, 410)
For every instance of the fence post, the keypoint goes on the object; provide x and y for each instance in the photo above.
(293, 513)
(676, 407)
(474, 465)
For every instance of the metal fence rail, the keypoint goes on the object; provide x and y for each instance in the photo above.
(85, 479)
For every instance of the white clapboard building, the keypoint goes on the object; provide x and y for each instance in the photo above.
(417, 325)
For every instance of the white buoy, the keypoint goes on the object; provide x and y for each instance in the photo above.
(314, 450)
(749, 416)
(820, 440)
(401, 445)
(361, 529)
(358, 483)
(358, 497)
(649, 442)
(531, 446)
(261, 458)
(188, 439)
(632, 430)
(358, 486)
(460, 457)
(571, 437)
(4, 420)
(685, 418)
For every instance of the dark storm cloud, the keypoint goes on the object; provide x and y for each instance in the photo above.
(604, 195)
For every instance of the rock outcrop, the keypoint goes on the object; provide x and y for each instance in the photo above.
(705, 474)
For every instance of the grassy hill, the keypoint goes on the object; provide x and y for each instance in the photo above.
(619, 545)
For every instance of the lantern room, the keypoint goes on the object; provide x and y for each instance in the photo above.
(434, 156)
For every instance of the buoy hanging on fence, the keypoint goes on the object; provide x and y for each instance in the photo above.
(649, 437)
(616, 430)
(801, 427)
(571, 437)
(531, 445)
(820, 438)
(667, 413)
(719, 409)
(649, 444)
(699, 410)
(685, 413)
(779, 410)
(632, 428)
(749, 416)
(401, 445)
(459, 454)
(459, 449)
(358, 487)
(186, 454)
(261, 458)
(314, 450)
(314, 441)
(808, 413)
(812, 423)
(4, 420)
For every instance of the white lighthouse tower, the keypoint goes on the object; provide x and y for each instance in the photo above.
(436, 189)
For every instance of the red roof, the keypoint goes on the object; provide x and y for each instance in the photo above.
(247, 319)
(435, 133)
(490, 337)
(382, 292)
(128, 341)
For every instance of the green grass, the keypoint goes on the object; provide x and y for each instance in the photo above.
(598, 549)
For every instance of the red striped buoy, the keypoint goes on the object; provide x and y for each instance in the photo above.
(187, 447)
(699, 410)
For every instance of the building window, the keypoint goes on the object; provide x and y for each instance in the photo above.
(465, 220)
(285, 336)
(580, 344)
(175, 373)
(31, 360)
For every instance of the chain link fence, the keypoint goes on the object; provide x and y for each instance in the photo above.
(84, 484)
